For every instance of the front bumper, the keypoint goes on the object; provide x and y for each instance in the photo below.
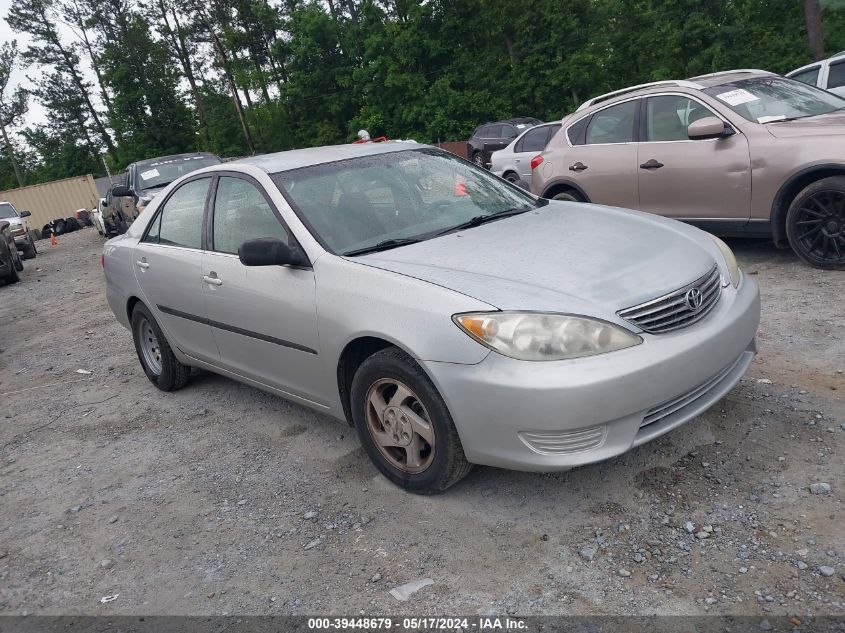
(548, 416)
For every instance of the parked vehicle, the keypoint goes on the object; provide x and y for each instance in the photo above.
(514, 162)
(19, 228)
(97, 217)
(828, 74)
(143, 181)
(740, 153)
(451, 317)
(10, 259)
(490, 137)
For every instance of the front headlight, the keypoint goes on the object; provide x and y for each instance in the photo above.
(730, 260)
(535, 336)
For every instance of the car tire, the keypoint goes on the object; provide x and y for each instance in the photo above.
(30, 251)
(478, 160)
(16, 258)
(815, 223)
(34, 235)
(567, 196)
(440, 461)
(17, 265)
(154, 353)
(512, 177)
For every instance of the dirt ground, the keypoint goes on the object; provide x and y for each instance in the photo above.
(221, 499)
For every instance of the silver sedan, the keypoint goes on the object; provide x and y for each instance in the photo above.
(451, 317)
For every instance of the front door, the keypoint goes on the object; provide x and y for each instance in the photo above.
(688, 178)
(168, 267)
(263, 317)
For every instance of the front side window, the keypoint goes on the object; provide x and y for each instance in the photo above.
(772, 99)
(179, 223)
(836, 75)
(809, 76)
(242, 213)
(360, 203)
(613, 125)
(669, 116)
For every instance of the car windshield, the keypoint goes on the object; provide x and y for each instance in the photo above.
(771, 99)
(390, 199)
(7, 210)
(159, 172)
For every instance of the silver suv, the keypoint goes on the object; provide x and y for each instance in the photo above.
(739, 153)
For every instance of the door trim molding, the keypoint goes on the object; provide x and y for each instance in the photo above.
(236, 330)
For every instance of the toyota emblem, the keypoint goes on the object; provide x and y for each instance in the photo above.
(694, 299)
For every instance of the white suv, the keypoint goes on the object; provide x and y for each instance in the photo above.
(24, 238)
(828, 74)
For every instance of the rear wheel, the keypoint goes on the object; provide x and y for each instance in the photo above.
(404, 424)
(512, 177)
(569, 195)
(157, 359)
(815, 223)
(478, 159)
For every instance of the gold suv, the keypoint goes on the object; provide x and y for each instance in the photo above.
(739, 153)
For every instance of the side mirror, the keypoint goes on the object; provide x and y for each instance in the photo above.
(25, 214)
(709, 127)
(271, 251)
(121, 191)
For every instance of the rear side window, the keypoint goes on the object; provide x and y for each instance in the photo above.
(180, 220)
(534, 140)
(809, 76)
(241, 213)
(577, 133)
(508, 131)
(836, 75)
(613, 125)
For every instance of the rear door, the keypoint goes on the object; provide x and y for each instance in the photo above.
(263, 317)
(602, 159)
(532, 143)
(168, 267)
(688, 178)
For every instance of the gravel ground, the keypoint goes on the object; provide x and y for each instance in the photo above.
(222, 499)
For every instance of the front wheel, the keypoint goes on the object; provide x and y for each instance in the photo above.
(157, 359)
(404, 424)
(815, 223)
(567, 196)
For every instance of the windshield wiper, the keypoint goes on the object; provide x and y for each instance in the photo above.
(383, 246)
(478, 220)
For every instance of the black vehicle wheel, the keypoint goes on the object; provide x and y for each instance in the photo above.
(30, 251)
(16, 260)
(478, 159)
(59, 226)
(512, 177)
(815, 223)
(567, 196)
(404, 424)
(157, 359)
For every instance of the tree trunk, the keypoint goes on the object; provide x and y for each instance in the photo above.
(236, 99)
(813, 17)
(12, 158)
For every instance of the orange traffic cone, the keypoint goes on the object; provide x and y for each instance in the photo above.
(53, 240)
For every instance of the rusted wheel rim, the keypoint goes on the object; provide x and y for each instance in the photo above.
(400, 426)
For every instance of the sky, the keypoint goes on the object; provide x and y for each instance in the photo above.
(36, 113)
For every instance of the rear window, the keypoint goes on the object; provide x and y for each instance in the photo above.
(836, 75)
(809, 76)
(578, 131)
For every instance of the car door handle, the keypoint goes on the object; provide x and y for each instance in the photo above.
(579, 166)
(651, 164)
(214, 281)
(142, 264)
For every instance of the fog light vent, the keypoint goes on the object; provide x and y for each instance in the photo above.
(564, 442)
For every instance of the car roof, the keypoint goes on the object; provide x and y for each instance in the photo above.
(700, 82)
(174, 156)
(296, 158)
(835, 57)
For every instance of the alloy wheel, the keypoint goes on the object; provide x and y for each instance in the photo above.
(400, 426)
(820, 225)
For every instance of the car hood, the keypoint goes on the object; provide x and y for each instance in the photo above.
(564, 257)
(832, 124)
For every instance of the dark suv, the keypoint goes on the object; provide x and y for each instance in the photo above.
(490, 137)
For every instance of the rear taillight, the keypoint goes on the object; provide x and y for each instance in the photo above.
(535, 162)
(103, 261)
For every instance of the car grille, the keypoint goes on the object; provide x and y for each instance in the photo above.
(678, 309)
(676, 404)
(564, 442)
